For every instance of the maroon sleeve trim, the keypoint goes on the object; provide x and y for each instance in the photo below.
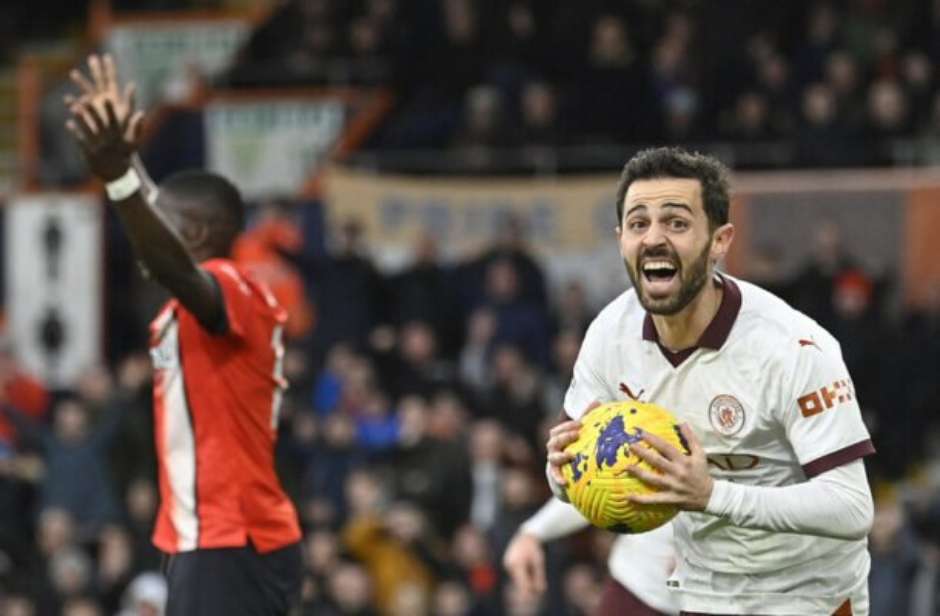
(838, 458)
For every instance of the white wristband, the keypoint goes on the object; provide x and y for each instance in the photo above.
(123, 187)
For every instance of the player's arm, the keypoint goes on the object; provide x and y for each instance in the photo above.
(107, 128)
(837, 503)
(823, 424)
(524, 559)
(147, 186)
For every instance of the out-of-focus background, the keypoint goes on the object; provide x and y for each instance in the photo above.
(431, 186)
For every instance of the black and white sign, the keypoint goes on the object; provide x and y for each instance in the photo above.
(54, 277)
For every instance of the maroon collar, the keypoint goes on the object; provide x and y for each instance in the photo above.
(714, 335)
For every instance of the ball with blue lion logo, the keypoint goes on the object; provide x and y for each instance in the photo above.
(598, 482)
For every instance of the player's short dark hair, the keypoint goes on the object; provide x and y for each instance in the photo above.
(674, 162)
(217, 195)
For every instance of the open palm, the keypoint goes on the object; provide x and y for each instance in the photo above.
(104, 119)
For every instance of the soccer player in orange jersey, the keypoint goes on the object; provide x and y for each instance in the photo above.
(230, 531)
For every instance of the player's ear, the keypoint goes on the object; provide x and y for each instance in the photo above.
(195, 233)
(203, 234)
(721, 241)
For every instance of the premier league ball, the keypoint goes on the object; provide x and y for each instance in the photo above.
(598, 482)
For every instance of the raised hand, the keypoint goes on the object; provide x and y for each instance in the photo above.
(104, 119)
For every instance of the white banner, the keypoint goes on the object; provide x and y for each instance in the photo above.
(54, 271)
(270, 147)
(151, 53)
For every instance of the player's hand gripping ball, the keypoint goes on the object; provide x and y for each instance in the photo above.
(597, 478)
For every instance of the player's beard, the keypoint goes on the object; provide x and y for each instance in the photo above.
(691, 280)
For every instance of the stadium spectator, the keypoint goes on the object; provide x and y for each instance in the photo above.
(145, 596)
(815, 280)
(894, 559)
(842, 75)
(473, 364)
(514, 399)
(475, 565)
(430, 471)
(484, 127)
(415, 365)
(520, 322)
(76, 479)
(541, 121)
(349, 293)
(423, 293)
(487, 444)
(750, 119)
(394, 543)
(556, 380)
(328, 463)
(888, 118)
(259, 250)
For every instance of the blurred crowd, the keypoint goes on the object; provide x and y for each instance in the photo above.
(826, 83)
(412, 436)
(509, 86)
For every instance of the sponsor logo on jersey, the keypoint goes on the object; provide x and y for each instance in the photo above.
(826, 397)
(163, 358)
(163, 352)
(733, 461)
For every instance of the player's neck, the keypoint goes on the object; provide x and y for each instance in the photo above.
(202, 255)
(683, 330)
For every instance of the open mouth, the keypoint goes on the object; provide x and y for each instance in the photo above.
(659, 271)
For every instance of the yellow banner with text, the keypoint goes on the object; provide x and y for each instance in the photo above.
(566, 214)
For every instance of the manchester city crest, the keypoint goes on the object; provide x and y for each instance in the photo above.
(726, 415)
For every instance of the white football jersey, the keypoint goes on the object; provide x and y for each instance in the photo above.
(642, 562)
(768, 395)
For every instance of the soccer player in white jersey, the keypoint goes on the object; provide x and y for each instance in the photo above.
(639, 564)
(776, 503)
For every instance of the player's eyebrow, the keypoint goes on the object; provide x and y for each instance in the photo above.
(670, 204)
(680, 206)
(639, 206)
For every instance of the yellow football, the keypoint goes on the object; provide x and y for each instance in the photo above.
(597, 480)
